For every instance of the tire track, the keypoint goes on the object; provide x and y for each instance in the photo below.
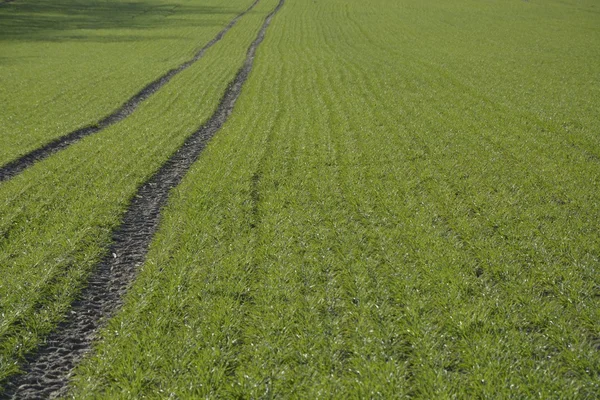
(47, 372)
(17, 166)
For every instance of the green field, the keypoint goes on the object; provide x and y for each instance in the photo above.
(66, 64)
(56, 218)
(404, 202)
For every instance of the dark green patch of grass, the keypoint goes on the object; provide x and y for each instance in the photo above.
(67, 64)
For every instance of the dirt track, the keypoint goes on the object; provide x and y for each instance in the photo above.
(47, 372)
(17, 166)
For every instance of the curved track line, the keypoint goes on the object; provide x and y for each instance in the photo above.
(17, 166)
(47, 372)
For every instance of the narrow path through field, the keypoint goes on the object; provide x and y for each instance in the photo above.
(48, 371)
(15, 167)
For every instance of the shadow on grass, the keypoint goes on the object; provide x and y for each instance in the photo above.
(76, 20)
(15, 60)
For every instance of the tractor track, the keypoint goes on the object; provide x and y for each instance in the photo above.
(18, 165)
(47, 372)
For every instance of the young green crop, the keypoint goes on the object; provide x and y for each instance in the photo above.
(404, 203)
(67, 64)
(56, 218)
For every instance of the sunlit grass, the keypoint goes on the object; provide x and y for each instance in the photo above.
(404, 204)
(56, 217)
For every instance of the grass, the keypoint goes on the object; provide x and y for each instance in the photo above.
(404, 203)
(66, 64)
(56, 217)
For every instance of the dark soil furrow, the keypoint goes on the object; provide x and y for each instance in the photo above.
(47, 372)
(15, 167)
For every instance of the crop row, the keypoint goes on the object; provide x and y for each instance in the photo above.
(57, 216)
(391, 219)
(404, 203)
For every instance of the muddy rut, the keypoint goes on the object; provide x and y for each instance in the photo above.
(17, 166)
(47, 372)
